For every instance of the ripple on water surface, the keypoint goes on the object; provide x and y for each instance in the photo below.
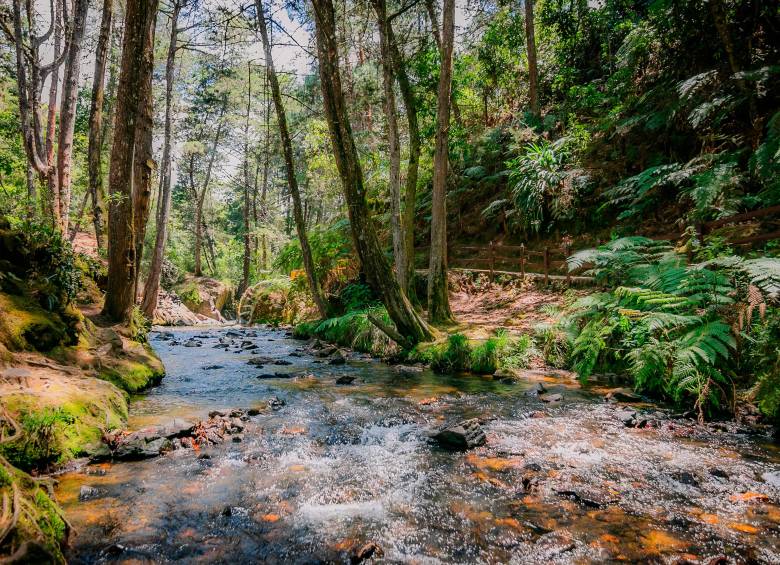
(341, 465)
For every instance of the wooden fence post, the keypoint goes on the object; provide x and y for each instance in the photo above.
(522, 261)
(492, 260)
(546, 265)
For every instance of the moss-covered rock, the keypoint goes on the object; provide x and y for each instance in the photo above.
(40, 529)
(26, 326)
(207, 297)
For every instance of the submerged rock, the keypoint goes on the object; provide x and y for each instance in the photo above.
(275, 402)
(338, 358)
(345, 380)
(461, 436)
(366, 551)
(408, 370)
(89, 493)
(623, 395)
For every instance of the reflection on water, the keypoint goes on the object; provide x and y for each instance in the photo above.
(340, 465)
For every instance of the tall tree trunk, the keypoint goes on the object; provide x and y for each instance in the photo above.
(247, 203)
(143, 159)
(292, 181)
(95, 148)
(372, 259)
(412, 168)
(152, 286)
(530, 41)
(70, 91)
(51, 125)
(201, 196)
(139, 25)
(438, 295)
(430, 6)
(393, 142)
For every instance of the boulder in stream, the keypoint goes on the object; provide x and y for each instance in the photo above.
(461, 436)
(551, 397)
(345, 380)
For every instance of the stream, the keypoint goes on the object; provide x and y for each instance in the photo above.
(342, 465)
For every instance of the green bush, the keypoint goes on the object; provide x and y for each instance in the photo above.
(452, 357)
(668, 325)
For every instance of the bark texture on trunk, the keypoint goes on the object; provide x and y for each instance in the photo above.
(412, 167)
(143, 158)
(393, 142)
(200, 196)
(139, 25)
(430, 6)
(70, 91)
(438, 292)
(530, 41)
(375, 265)
(292, 181)
(247, 259)
(95, 148)
(152, 285)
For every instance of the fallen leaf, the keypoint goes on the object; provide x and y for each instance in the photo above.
(749, 497)
(270, 517)
(744, 528)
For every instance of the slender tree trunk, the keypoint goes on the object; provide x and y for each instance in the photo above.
(143, 159)
(152, 286)
(247, 203)
(412, 168)
(430, 6)
(372, 259)
(70, 91)
(438, 295)
(533, 73)
(292, 181)
(139, 26)
(393, 142)
(201, 196)
(95, 148)
(51, 125)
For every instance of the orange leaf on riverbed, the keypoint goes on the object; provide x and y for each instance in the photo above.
(270, 517)
(749, 497)
(427, 401)
(744, 528)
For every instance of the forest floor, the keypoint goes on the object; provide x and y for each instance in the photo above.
(481, 307)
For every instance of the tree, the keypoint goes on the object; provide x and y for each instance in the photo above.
(393, 142)
(410, 326)
(152, 285)
(130, 133)
(70, 90)
(292, 181)
(533, 73)
(438, 291)
(95, 148)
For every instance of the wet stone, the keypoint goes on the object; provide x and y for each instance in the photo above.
(345, 380)
(275, 402)
(193, 343)
(282, 362)
(585, 497)
(212, 367)
(686, 478)
(89, 493)
(461, 436)
(337, 359)
(408, 370)
(623, 395)
(551, 397)
(719, 473)
(366, 551)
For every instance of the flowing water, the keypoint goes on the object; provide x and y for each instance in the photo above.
(342, 465)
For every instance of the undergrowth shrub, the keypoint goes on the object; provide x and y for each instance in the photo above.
(675, 329)
(41, 442)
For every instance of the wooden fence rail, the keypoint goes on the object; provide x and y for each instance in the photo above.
(551, 261)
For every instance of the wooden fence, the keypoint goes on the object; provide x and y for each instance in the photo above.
(549, 263)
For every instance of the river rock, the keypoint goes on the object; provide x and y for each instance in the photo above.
(282, 362)
(345, 380)
(407, 370)
(275, 402)
(461, 436)
(623, 395)
(366, 551)
(585, 497)
(551, 397)
(89, 493)
(338, 358)
(177, 428)
(193, 343)
(133, 448)
(326, 351)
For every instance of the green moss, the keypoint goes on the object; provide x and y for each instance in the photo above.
(40, 519)
(132, 376)
(189, 293)
(26, 326)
